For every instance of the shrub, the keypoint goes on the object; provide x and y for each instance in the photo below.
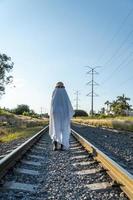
(80, 113)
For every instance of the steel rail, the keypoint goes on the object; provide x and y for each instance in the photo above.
(115, 171)
(9, 161)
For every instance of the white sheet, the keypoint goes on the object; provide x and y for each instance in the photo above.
(61, 113)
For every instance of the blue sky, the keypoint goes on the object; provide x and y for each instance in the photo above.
(52, 40)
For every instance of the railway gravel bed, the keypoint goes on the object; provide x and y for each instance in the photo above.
(60, 175)
(7, 147)
(117, 145)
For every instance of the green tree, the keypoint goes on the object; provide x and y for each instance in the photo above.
(80, 113)
(21, 109)
(123, 99)
(6, 66)
(120, 105)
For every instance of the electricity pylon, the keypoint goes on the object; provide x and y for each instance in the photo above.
(92, 83)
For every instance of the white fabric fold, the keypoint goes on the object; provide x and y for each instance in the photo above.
(61, 113)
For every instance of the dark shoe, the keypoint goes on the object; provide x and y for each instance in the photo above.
(54, 146)
(62, 147)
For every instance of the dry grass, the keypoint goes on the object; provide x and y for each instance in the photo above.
(10, 134)
(121, 123)
(13, 127)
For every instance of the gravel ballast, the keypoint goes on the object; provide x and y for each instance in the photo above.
(117, 145)
(61, 176)
(7, 147)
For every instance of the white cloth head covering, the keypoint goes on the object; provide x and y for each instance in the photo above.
(60, 115)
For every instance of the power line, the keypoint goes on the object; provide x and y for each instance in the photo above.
(116, 33)
(117, 68)
(125, 81)
(92, 83)
(118, 49)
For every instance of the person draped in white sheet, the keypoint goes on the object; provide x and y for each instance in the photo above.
(61, 113)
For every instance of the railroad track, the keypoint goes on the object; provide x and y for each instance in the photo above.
(34, 171)
(117, 145)
(115, 171)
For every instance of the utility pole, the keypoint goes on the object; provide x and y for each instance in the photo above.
(41, 110)
(77, 99)
(92, 83)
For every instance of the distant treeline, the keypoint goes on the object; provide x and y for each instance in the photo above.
(25, 110)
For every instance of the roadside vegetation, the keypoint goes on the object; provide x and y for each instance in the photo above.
(10, 134)
(6, 66)
(14, 126)
(114, 115)
(120, 123)
(20, 122)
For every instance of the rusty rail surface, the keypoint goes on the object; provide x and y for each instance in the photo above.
(8, 161)
(115, 171)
